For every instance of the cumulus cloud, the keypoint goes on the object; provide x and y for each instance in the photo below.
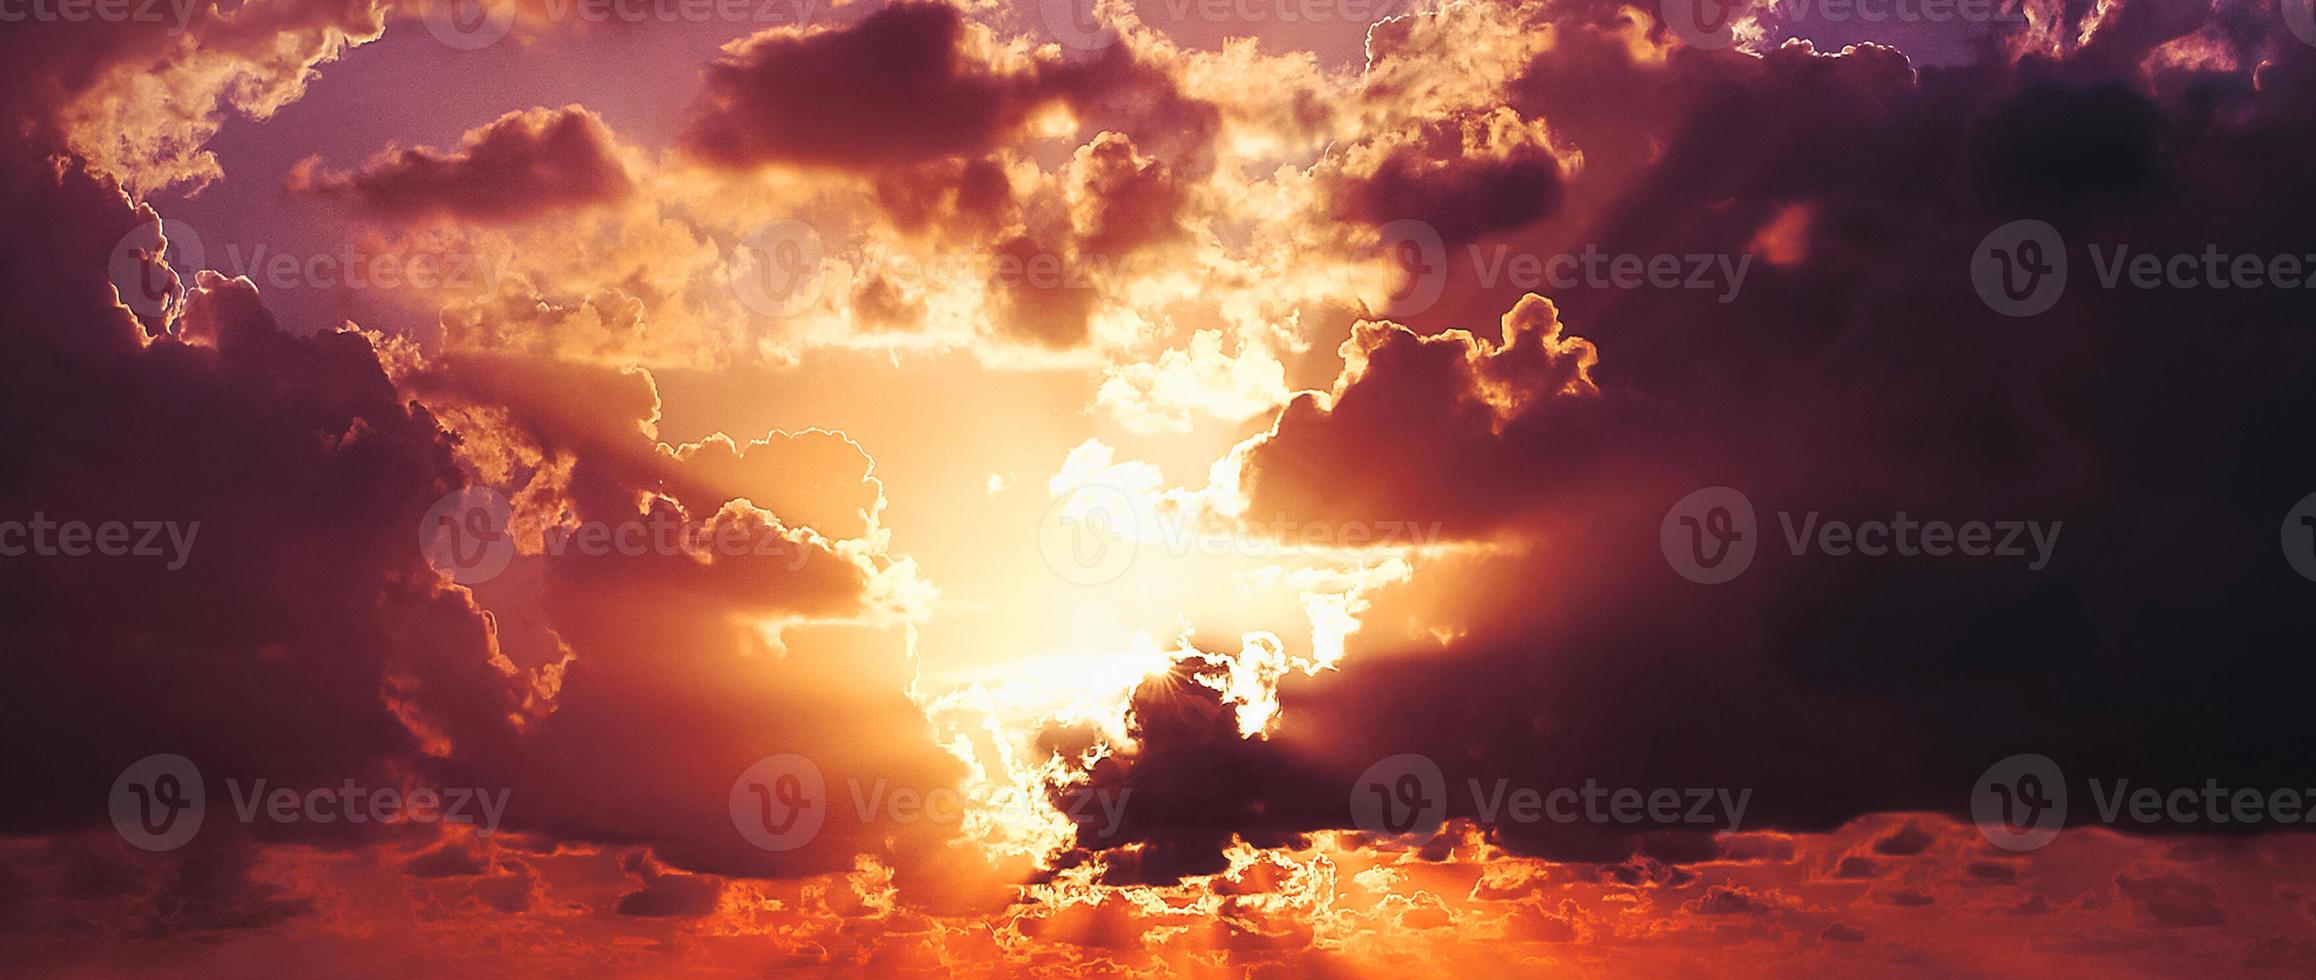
(1545, 643)
(1863, 377)
(911, 82)
(305, 639)
(519, 166)
(1466, 176)
(306, 473)
(139, 96)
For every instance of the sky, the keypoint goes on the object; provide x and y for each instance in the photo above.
(1157, 487)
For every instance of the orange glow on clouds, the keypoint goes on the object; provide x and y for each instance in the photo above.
(1111, 488)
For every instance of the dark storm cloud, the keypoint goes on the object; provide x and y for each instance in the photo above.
(303, 603)
(2167, 429)
(915, 82)
(895, 88)
(305, 640)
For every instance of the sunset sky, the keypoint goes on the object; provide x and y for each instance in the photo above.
(1203, 488)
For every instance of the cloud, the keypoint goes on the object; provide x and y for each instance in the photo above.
(1467, 176)
(303, 638)
(1124, 200)
(1906, 841)
(818, 479)
(665, 895)
(306, 640)
(2172, 901)
(1863, 378)
(519, 166)
(1434, 407)
(1836, 932)
(138, 96)
(910, 83)
(1546, 644)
